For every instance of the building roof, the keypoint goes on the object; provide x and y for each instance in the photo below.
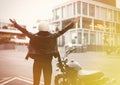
(8, 31)
(109, 2)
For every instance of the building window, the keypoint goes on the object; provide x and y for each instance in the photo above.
(79, 24)
(113, 27)
(85, 38)
(79, 7)
(79, 38)
(53, 15)
(119, 17)
(86, 23)
(64, 13)
(103, 13)
(101, 38)
(58, 14)
(74, 37)
(85, 8)
(108, 26)
(115, 16)
(69, 10)
(109, 15)
(74, 8)
(118, 28)
(106, 39)
(98, 25)
(91, 10)
(92, 38)
(97, 12)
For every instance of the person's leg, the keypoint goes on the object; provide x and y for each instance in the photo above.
(36, 72)
(47, 72)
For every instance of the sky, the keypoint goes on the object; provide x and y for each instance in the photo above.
(28, 11)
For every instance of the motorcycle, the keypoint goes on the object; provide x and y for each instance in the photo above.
(71, 73)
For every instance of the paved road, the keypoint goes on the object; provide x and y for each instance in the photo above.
(13, 64)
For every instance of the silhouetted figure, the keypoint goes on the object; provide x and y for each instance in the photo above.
(42, 48)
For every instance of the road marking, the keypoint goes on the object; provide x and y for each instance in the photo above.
(4, 79)
(27, 80)
(8, 81)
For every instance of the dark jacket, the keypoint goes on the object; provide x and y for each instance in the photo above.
(43, 42)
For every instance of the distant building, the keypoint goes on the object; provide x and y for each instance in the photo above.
(99, 24)
(9, 34)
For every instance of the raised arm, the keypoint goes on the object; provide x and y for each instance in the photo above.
(67, 27)
(22, 29)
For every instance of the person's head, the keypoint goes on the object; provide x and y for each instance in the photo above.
(43, 26)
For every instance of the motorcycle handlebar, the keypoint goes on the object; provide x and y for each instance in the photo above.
(70, 50)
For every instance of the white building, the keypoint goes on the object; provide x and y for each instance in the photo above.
(99, 24)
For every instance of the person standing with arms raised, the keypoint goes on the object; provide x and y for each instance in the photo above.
(42, 47)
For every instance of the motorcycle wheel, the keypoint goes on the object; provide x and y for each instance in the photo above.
(61, 80)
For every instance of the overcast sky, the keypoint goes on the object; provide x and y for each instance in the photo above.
(27, 11)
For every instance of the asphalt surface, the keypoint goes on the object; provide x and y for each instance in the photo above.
(13, 64)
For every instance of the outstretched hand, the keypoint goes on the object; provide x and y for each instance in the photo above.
(13, 21)
(75, 20)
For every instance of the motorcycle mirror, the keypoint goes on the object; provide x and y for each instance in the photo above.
(57, 69)
(66, 60)
(70, 50)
